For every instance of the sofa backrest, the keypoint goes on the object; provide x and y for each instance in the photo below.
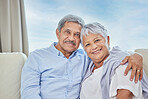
(10, 74)
(144, 53)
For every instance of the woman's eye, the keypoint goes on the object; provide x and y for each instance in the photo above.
(87, 45)
(97, 40)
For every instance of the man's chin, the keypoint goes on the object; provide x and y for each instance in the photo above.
(70, 50)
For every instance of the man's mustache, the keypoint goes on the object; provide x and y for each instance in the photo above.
(72, 42)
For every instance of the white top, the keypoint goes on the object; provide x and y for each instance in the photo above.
(91, 88)
(119, 81)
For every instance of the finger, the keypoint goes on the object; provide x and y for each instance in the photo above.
(125, 60)
(137, 75)
(141, 75)
(129, 66)
(133, 74)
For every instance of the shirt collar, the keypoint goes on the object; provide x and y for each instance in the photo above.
(53, 49)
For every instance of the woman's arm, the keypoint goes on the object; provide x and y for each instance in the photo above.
(124, 94)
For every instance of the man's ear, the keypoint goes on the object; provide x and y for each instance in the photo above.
(57, 33)
(108, 39)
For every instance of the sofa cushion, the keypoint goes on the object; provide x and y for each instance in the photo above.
(144, 53)
(10, 74)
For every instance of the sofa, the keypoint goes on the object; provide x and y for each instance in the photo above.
(144, 53)
(10, 72)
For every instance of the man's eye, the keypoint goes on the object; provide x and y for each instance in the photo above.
(77, 34)
(68, 32)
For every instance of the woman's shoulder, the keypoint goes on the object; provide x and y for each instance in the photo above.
(120, 81)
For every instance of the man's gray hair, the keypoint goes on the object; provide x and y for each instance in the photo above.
(70, 18)
(95, 28)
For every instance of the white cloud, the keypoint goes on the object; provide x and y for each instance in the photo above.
(129, 30)
(38, 45)
(123, 29)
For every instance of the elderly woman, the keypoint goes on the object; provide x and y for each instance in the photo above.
(105, 77)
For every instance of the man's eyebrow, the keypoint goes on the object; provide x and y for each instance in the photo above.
(67, 29)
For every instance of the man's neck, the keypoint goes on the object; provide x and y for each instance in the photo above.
(65, 53)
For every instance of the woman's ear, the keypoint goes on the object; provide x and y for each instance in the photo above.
(108, 39)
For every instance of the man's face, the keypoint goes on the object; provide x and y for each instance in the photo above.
(68, 37)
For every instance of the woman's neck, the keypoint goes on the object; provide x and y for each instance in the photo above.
(99, 64)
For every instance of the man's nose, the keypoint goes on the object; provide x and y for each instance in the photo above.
(71, 37)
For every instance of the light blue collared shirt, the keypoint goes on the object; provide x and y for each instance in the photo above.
(48, 74)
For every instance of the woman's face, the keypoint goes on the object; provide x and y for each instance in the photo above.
(96, 47)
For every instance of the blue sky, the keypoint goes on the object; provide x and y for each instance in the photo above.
(125, 20)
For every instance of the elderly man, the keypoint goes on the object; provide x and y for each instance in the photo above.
(56, 72)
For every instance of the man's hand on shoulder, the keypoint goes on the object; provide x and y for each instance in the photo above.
(135, 62)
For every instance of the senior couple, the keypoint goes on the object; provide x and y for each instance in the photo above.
(62, 71)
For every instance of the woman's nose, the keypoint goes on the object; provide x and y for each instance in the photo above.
(94, 46)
